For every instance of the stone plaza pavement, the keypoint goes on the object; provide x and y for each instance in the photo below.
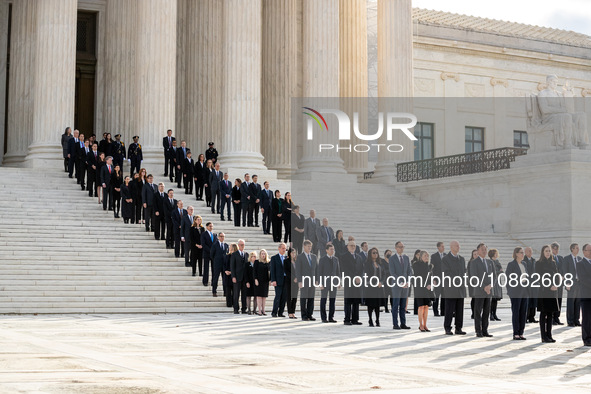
(240, 353)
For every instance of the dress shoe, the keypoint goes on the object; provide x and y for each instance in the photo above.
(557, 323)
(222, 219)
(370, 323)
(587, 344)
(324, 321)
(377, 323)
(282, 315)
(310, 318)
(396, 327)
(487, 335)
(449, 332)
(479, 335)
(404, 327)
(460, 332)
(348, 323)
(273, 315)
(332, 321)
(357, 323)
(236, 312)
(436, 314)
(577, 324)
(571, 324)
(305, 319)
(497, 318)
(522, 338)
(244, 312)
(215, 294)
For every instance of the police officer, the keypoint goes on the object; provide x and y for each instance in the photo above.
(118, 151)
(134, 155)
(211, 154)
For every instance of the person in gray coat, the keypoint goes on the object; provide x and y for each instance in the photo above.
(400, 271)
(324, 235)
(310, 226)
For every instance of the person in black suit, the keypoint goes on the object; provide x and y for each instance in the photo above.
(286, 216)
(137, 186)
(181, 155)
(148, 193)
(116, 182)
(481, 269)
(228, 275)
(547, 293)
(532, 302)
(169, 206)
(188, 173)
(584, 282)
(197, 231)
(73, 144)
(176, 217)
(118, 149)
(106, 173)
(351, 266)
(105, 145)
(291, 278)
(324, 234)
(573, 302)
(238, 263)
(208, 238)
(199, 176)
(265, 198)
(328, 267)
(276, 215)
(186, 224)
(254, 203)
(236, 203)
(297, 225)
(454, 266)
(174, 173)
(246, 197)
(167, 145)
(127, 207)
(83, 150)
(279, 281)
(211, 153)
(66, 137)
(436, 259)
(134, 155)
(206, 175)
(91, 176)
(518, 291)
(559, 264)
(159, 217)
(306, 266)
(215, 177)
(217, 255)
(225, 197)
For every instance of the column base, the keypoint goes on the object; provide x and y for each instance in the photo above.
(14, 159)
(332, 165)
(385, 172)
(249, 161)
(44, 156)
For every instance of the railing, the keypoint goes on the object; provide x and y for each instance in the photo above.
(468, 163)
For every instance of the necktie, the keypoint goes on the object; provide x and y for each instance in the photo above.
(211, 235)
(180, 213)
(162, 195)
(327, 234)
(86, 150)
(169, 142)
(191, 218)
(170, 199)
(109, 167)
(95, 155)
(309, 260)
(485, 265)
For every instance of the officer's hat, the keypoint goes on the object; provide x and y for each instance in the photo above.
(210, 144)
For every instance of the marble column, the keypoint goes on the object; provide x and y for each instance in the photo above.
(320, 75)
(202, 110)
(241, 97)
(120, 70)
(353, 74)
(281, 70)
(182, 39)
(4, 10)
(155, 75)
(54, 80)
(21, 80)
(395, 77)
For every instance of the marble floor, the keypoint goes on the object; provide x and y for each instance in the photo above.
(239, 353)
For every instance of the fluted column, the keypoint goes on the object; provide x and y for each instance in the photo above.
(241, 102)
(156, 74)
(203, 97)
(320, 74)
(21, 79)
(54, 80)
(4, 11)
(395, 76)
(182, 41)
(353, 73)
(281, 70)
(120, 69)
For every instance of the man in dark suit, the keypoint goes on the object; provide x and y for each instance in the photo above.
(211, 153)
(559, 264)
(176, 217)
(237, 268)
(159, 216)
(226, 197)
(73, 144)
(400, 270)
(135, 156)
(453, 266)
(169, 206)
(215, 178)
(306, 265)
(245, 198)
(181, 155)
(167, 145)
(186, 223)
(208, 239)
(148, 192)
(188, 173)
(279, 281)
(265, 198)
(199, 176)
(328, 267)
(573, 302)
(106, 172)
(436, 259)
(324, 235)
(118, 148)
(83, 150)
(174, 174)
(255, 189)
(310, 226)
(351, 265)
(532, 302)
(584, 274)
(91, 163)
(480, 280)
(217, 255)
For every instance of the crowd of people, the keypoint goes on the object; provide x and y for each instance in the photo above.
(310, 248)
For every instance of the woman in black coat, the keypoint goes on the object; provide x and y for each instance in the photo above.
(297, 225)
(206, 172)
(339, 243)
(518, 292)
(262, 278)
(374, 295)
(548, 293)
(276, 215)
(286, 216)
(127, 208)
(196, 250)
(66, 137)
(423, 294)
(99, 165)
(236, 196)
(136, 192)
(116, 181)
(290, 274)
(497, 290)
(470, 288)
(249, 280)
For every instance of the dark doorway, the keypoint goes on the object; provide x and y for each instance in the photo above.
(85, 72)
